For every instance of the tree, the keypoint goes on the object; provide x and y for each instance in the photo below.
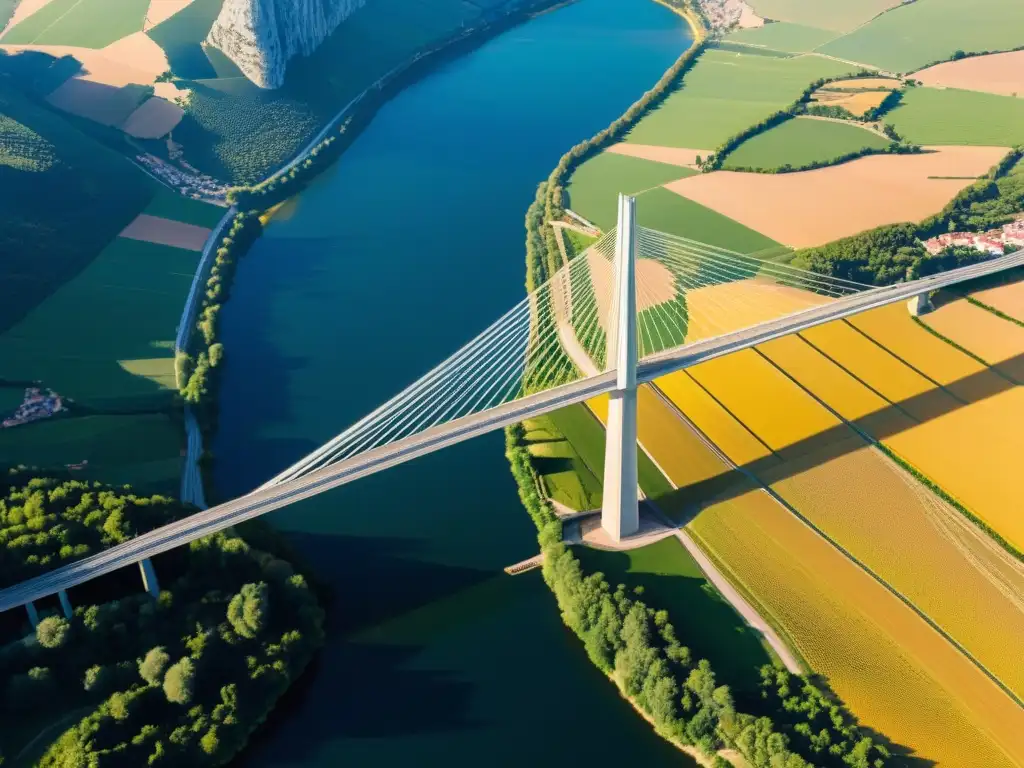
(53, 632)
(97, 679)
(247, 611)
(153, 666)
(179, 682)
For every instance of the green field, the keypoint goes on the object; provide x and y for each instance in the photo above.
(726, 93)
(801, 142)
(171, 205)
(564, 474)
(673, 581)
(181, 37)
(784, 36)
(576, 242)
(924, 32)
(141, 450)
(73, 196)
(839, 15)
(949, 116)
(106, 337)
(85, 23)
(594, 186)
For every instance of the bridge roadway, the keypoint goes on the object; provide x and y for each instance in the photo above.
(268, 499)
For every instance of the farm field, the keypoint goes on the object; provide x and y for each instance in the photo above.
(85, 23)
(727, 92)
(837, 15)
(670, 155)
(919, 34)
(815, 207)
(949, 116)
(803, 141)
(1001, 73)
(564, 474)
(594, 186)
(998, 342)
(672, 580)
(1008, 299)
(784, 36)
(170, 205)
(875, 652)
(857, 104)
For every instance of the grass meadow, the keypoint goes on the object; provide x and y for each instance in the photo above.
(170, 205)
(727, 92)
(801, 142)
(672, 580)
(837, 15)
(181, 38)
(950, 116)
(565, 475)
(85, 23)
(784, 36)
(921, 33)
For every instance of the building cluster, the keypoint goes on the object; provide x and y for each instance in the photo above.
(995, 242)
(190, 183)
(36, 405)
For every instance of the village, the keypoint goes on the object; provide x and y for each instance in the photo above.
(996, 242)
(36, 405)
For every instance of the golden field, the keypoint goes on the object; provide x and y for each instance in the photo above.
(888, 665)
(998, 342)
(1008, 299)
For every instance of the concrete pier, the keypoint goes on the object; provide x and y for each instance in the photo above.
(620, 511)
(65, 604)
(33, 614)
(149, 580)
(920, 305)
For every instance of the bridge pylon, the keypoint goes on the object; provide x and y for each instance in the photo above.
(620, 512)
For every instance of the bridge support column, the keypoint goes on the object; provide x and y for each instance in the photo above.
(33, 614)
(620, 512)
(65, 604)
(920, 305)
(149, 581)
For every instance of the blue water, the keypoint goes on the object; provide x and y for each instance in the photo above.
(408, 247)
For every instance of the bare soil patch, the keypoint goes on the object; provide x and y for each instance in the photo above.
(153, 120)
(161, 10)
(686, 158)
(153, 229)
(104, 104)
(815, 207)
(24, 9)
(1001, 73)
(139, 52)
(99, 66)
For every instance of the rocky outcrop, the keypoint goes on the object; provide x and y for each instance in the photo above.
(260, 36)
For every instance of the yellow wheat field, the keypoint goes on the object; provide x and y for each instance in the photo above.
(1008, 299)
(719, 309)
(855, 103)
(995, 340)
(864, 84)
(895, 672)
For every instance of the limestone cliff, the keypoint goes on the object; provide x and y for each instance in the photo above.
(260, 36)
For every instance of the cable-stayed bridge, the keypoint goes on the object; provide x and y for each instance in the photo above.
(636, 305)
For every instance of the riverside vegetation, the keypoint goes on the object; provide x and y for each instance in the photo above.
(180, 680)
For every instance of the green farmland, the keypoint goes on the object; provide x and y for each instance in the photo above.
(565, 476)
(927, 31)
(672, 580)
(801, 142)
(85, 23)
(838, 15)
(950, 116)
(784, 36)
(594, 186)
(170, 205)
(181, 37)
(726, 93)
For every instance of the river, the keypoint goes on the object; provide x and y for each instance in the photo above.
(404, 250)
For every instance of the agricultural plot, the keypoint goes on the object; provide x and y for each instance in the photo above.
(566, 478)
(121, 356)
(998, 342)
(181, 36)
(784, 36)
(727, 92)
(84, 23)
(919, 34)
(170, 205)
(816, 207)
(875, 652)
(949, 116)
(1001, 73)
(141, 450)
(837, 15)
(594, 186)
(1008, 299)
(671, 579)
(801, 142)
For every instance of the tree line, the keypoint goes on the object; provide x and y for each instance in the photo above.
(181, 680)
(891, 149)
(638, 648)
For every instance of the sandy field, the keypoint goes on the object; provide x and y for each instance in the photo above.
(686, 158)
(1001, 73)
(104, 104)
(153, 229)
(1008, 299)
(815, 207)
(25, 9)
(153, 120)
(161, 10)
(139, 52)
(129, 60)
(856, 103)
